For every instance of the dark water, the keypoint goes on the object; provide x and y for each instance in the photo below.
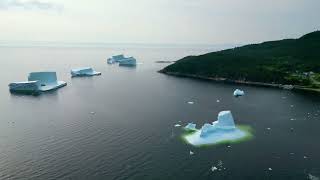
(131, 134)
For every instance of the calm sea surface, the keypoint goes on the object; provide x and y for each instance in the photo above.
(130, 135)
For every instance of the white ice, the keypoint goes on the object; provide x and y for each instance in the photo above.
(38, 82)
(190, 126)
(130, 61)
(221, 130)
(238, 92)
(85, 71)
(122, 60)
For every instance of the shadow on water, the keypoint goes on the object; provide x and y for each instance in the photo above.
(52, 93)
(128, 66)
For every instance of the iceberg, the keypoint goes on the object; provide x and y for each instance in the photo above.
(115, 59)
(37, 82)
(122, 60)
(85, 71)
(238, 93)
(190, 127)
(130, 61)
(222, 130)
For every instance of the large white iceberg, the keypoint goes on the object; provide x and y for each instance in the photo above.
(238, 93)
(122, 60)
(37, 82)
(222, 130)
(85, 71)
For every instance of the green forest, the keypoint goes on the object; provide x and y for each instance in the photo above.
(288, 61)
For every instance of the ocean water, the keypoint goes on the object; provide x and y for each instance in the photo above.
(131, 134)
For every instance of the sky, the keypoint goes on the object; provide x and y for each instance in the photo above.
(157, 21)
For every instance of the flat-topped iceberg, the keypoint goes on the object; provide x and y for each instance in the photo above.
(130, 61)
(238, 93)
(122, 60)
(115, 59)
(85, 71)
(37, 82)
(222, 130)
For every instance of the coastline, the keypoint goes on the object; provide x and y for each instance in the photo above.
(249, 83)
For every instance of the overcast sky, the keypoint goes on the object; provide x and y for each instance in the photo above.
(157, 21)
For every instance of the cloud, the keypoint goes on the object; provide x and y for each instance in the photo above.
(29, 5)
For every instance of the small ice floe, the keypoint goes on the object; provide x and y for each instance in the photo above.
(270, 169)
(268, 128)
(228, 146)
(177, 125)
(283, 97)
(213, 168)
(190, 102)
(292, 119)
(291, 153)
(218, 100)
(312, 177)
(238, 93)
(305, 157)
(92, 112)
(84, 71)
(291, 105)
(191, 153)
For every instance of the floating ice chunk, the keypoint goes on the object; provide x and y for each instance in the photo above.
(130, 61)
(270, 169)
(305, 157)
(85, 71)
(38, 82)
(213, 168)
(190, 126)
(268, 128)
(291, 105)
(191, 153)
(115, 59)
(92, 112)
(190, 102)
(223, 129)
(177, 125)
(26, 86)
(218, 100)
(312, 177)
(225, 122)
(122, 60)
(238, 93)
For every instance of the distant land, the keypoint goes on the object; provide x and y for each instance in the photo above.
(287, 63)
